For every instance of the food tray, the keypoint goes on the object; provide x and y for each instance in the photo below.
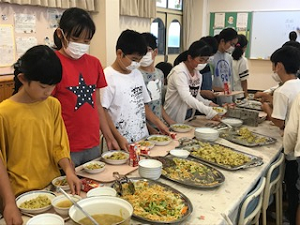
(206, 177)
(250, 104)
(234, 137)
(254, 160)
(187, 203)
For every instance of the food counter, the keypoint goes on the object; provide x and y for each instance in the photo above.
(209, 205)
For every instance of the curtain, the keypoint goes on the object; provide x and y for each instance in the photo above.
(139, 8)
(88, 5)
(187, 22)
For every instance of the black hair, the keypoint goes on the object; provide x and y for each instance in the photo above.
(295, 44)
(290, 58)
(238, 50)
(131, 42)
(39, 63)
(165, 67)
(180, 58)
(292, 36)
(150, 39)
(73, 22)
(212, 42)
(227, 34)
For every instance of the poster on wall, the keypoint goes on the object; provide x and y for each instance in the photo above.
(25, 23)
(7, 46)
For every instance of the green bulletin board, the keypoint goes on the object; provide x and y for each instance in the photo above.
(240, 21)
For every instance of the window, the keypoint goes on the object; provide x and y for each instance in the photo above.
(170, 4)
(174, 38)
(158, 30)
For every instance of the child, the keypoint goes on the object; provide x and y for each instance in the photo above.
(34, 142)
(285, 64)
(222, 63)
(126, 95)
(78, 92)
(240, 67)
(154, 81)
(184, 82)
(166, 68)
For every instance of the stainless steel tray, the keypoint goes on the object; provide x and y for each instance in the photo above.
(201, 175)
(187, 203)
(250, 104)
(253, 160)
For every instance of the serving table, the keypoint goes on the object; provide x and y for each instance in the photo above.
(211, 206)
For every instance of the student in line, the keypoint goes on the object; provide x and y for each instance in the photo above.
(125, 98)
(222, 63)
(166, 68)
(79, 90)
(240, 68)
(34, 142)
(154, 81)
(184, 82)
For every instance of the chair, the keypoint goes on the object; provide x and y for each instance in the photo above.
(274, 179)
(250, 208)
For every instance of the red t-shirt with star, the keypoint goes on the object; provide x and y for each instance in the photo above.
(77, 95)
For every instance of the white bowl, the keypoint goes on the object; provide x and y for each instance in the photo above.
(220, 110)
(61, 182)
(150, 168)
(181, 128)
(46, 219)
(160, 139)
(206, 134)
(181, 153)
(103, 205)
(148, 144)
(61, 199)
(101, 191)
(107, 157)
(94, 167)
(32, 195)
(232, 122)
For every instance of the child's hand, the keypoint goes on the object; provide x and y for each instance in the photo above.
(12, 214)
(74, 183)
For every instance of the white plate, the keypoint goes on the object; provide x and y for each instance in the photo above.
(181, 128)
(56, 183)
(107, 154)
(31, 195)
(87, 166)
(46, 219)
(148, 144)
(165, 140)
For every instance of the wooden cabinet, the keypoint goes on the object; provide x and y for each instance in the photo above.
(6, 87)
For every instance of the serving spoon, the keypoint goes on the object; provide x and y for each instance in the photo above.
(78, 206)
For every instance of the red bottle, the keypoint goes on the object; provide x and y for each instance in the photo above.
(226, 88)
(134, 156)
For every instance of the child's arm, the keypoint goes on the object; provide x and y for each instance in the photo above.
(155, 120)
(11, 212)
(105, 128)
(73, 180)
(166, 117)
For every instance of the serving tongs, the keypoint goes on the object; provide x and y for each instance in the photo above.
(122, 179)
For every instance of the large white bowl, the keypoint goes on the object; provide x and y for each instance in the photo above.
(101, 191)
(206, 134)
(107, 154)
(103, 205)
(46, 219)
(32, 195)
(181, 153)
(64, 211)
(99, 166)
(232, 122)
(150, 168)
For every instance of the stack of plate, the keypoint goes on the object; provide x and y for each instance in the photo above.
(150, 168)
(206, 134)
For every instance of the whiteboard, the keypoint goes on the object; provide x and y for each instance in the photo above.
(270, 30)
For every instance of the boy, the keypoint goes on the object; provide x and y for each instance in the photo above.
(125, 97)
(154, 81)
(285, 64)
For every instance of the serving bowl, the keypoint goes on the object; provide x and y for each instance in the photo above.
(181, 128)
(103, 205)
(46, 219)
(94, 167)
(115, 157)
(148, 144)
(206, 134)
(232, 122)
(220, 110)
(150, 168)
(160, 139)
(62, 204)
(61, 182)
(31, 199)
(181, 153)
(101, 191)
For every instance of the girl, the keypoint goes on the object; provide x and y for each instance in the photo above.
(222, 63)
(78, 92)
(240, 67)
(33, 140)
(184, 82)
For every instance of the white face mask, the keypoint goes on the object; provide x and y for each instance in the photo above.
(230, 50)
(76, 50)
(134, 65)
(276, 77)
(201, 66)
(147, 59)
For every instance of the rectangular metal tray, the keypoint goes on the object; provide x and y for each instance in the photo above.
(250, 104)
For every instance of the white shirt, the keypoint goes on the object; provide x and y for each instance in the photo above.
(240, 73)
(124, 98)
(179, 98)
